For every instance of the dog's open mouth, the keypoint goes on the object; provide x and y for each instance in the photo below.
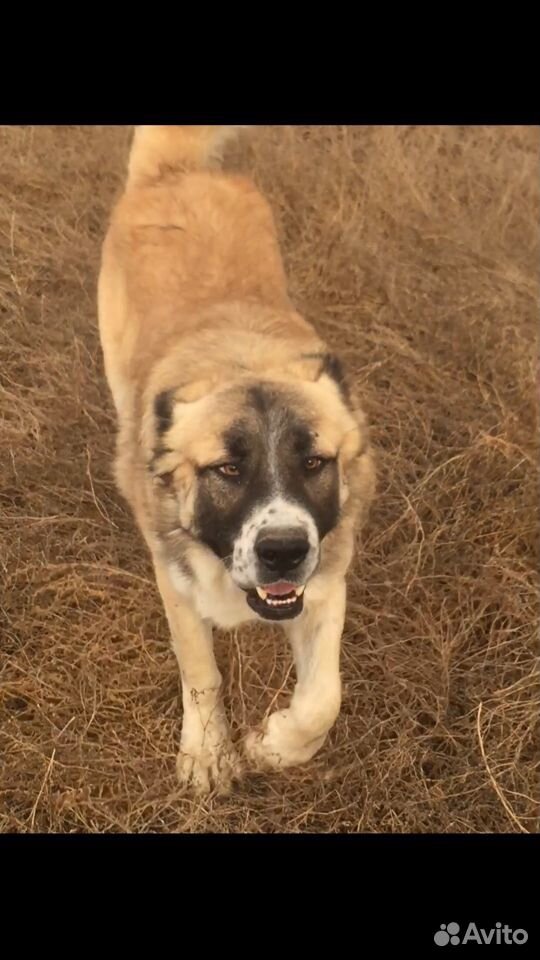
(277, 601)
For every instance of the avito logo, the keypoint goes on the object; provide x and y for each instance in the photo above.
(449, 933)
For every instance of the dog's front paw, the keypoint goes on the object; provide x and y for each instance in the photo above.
(279, 743)
(208, 767)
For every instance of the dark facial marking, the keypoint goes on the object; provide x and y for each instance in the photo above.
(236, 442)
(317, 491)
(222, 504)
(258, 399)
(302, 440)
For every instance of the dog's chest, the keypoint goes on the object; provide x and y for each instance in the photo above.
(218, 600)
(226, 608)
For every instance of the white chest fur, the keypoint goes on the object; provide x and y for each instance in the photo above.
(213, 593)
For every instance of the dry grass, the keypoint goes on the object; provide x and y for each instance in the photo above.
(415, 250)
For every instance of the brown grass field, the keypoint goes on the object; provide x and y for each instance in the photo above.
(415, 252)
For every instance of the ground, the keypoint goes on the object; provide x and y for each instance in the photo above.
(415, 252)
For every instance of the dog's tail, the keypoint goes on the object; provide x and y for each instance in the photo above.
(158, 149)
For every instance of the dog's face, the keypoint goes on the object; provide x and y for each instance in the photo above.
(259, 474)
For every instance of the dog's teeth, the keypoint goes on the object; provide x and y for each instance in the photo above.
(279, 602)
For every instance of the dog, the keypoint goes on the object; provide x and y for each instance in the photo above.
(242, 449)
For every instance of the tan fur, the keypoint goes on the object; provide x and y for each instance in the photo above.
(193, 298)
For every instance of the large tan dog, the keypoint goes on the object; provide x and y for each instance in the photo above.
(241, 448)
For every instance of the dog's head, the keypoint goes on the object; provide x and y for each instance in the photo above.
(259, 470)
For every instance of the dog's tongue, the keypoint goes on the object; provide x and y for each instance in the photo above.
(279, 589)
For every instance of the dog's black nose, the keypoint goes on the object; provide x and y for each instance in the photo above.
(282, 551)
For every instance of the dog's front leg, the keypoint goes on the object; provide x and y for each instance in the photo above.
(294, 735)
(207, 758)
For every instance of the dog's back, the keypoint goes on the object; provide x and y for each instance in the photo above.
(182, 238)
(157, 152)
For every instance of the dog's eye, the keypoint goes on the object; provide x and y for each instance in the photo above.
(229, 470)
(314, 463)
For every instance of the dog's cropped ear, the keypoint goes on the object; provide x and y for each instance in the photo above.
(165, 431)
(333, 367)
(312, 366)
(163, 411)
(164, 404)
